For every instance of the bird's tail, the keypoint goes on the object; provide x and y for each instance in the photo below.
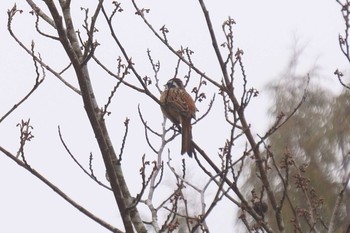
(187, 138)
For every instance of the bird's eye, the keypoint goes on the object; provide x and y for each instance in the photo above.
(171, 84)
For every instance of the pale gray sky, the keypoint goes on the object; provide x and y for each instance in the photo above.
(265, 30)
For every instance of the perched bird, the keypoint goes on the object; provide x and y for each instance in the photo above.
(178, 106)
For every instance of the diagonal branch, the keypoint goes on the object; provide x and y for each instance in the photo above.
(40, 13)
(60, 192)
(11, 13)
(174, 51)
(77, 162)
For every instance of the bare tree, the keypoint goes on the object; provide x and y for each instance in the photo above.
(223, 169)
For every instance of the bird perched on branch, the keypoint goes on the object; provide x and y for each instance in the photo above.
(178, 106)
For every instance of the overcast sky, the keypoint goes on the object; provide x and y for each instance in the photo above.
(267, 31)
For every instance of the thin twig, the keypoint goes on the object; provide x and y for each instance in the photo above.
(40, 13)
(36, 85)
(78, 163)
(174, 51)
(60, 192)
(11, 13)
(126, 124)
(337, 206)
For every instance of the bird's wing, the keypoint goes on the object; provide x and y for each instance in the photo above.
(182, 102)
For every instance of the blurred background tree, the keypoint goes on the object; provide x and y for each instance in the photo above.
(315, 143)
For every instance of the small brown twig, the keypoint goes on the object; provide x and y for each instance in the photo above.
(126, 124)
(174, 51)
(340, 76)
(109, 101)
(25, 136)
(144, 88)
(149, 129)
(11, 13)
(38, 29)
(37, 83)
(282, 119)
(90, 174)
(145, 181)
(156, 69)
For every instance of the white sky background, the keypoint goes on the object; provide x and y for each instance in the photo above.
(265, 30)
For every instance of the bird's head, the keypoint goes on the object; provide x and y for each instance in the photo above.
(174, 83)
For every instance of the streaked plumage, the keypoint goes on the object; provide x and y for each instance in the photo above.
(178, 106)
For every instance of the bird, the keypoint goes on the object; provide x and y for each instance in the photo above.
(178, 106)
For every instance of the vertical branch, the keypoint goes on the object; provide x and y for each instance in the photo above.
(215, 43)
(70, 43)
(229, 89)
(344, 39)
(337, 206)
(25, 136)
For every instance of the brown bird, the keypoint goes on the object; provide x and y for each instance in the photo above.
(178, 106)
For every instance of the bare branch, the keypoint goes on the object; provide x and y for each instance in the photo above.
(174, 51)
(145, 181)
(40, 13)
(70, 43)
(340, 76)
(40, 32)
(11, 13)
(279, 121)
(214, 42)
(126, 56)
(25, 136)
(60, 192)
(38, 81)
(90, 174)
(116, 75)
(126, 124)
(337, 205)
